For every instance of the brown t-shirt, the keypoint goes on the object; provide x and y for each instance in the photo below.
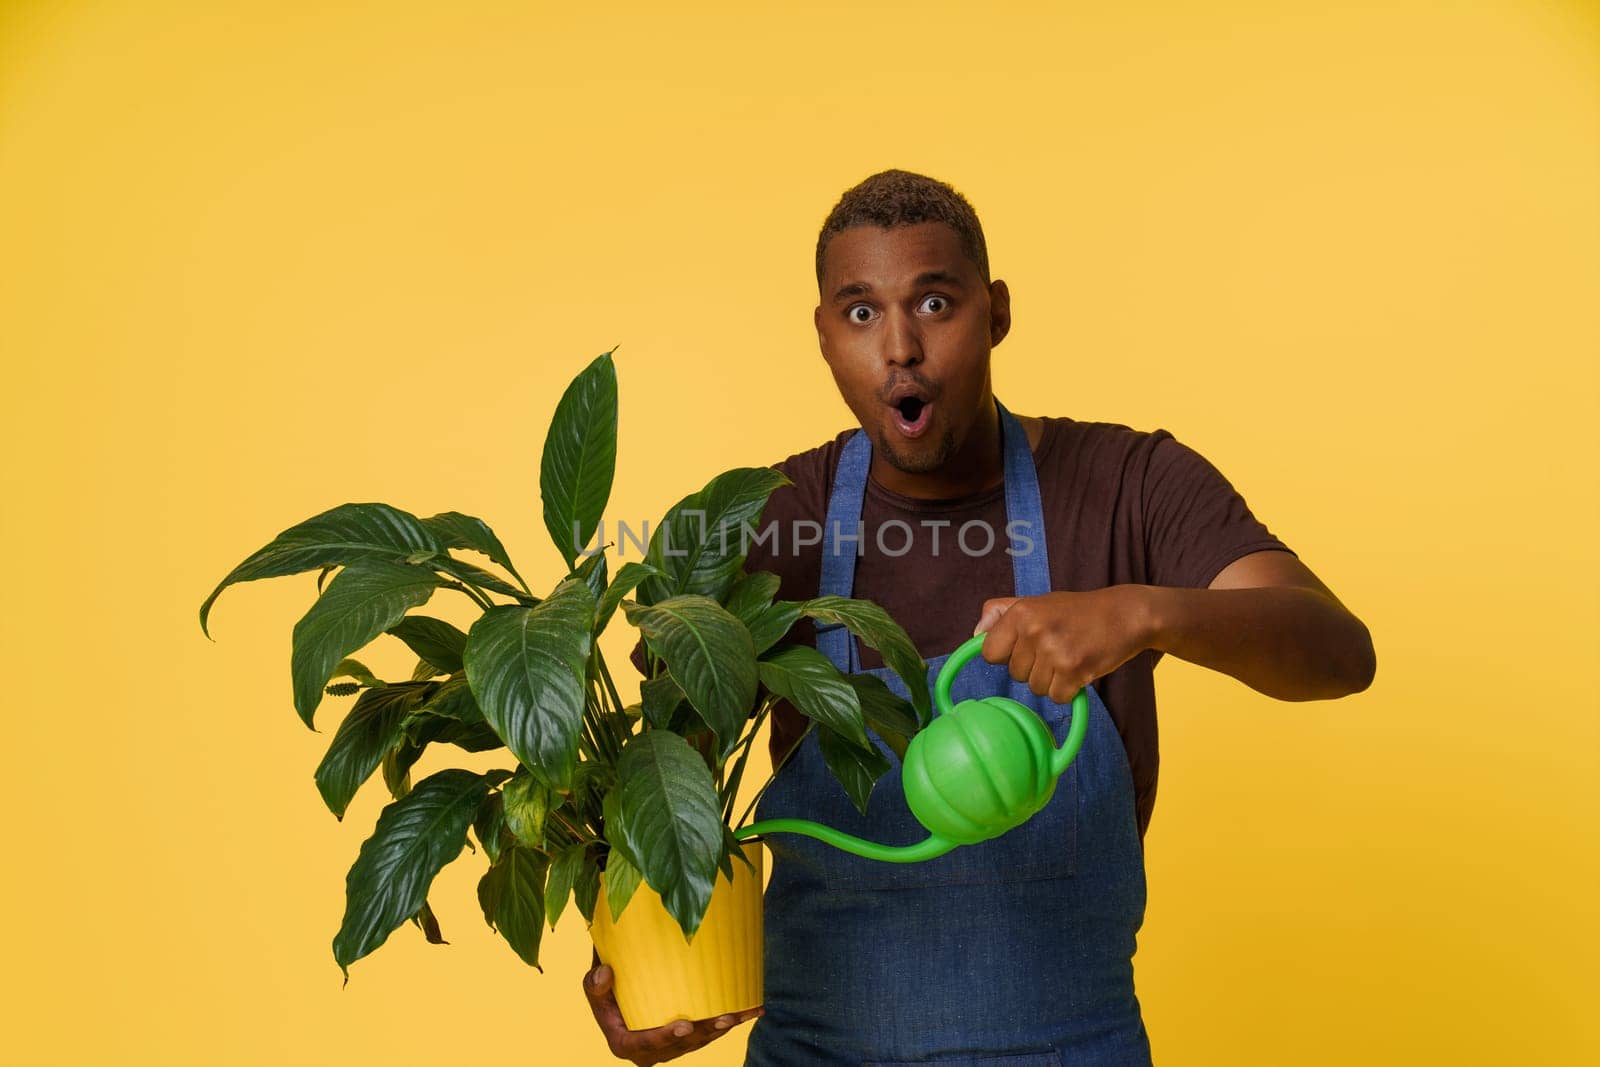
(1120, 506)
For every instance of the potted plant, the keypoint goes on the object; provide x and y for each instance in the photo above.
(608, 800)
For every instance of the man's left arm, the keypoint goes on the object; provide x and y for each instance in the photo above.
(1220, 591)
(1265, 619)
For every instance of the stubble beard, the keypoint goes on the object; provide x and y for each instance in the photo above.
(922, 460)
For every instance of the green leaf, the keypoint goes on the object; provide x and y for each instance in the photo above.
(809, 681)
(621, 879)
(528, 669)
(563, 876)
(349, 668)
(593, 572)
(455, 530)
(752, 594)
(454, 700)
(527, 802)
(629, 575)
(486, 825)
(890, 717)
(671, 822)
(364, 737)
(857, 769)
(415, 837)
(658, 698)
(773, 623)
(429, 924)
(338, 536)
(363, 600)
(512, 897)
(708, 653)
(580, 458)
(873, 625)
(703, 555)
(433, 640)
(587, 887)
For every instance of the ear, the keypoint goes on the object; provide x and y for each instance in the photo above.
(822, 339)
(999, 312)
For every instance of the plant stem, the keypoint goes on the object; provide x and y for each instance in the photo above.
(477, 595)
(732, 785)
(577, 835)
(775, 771)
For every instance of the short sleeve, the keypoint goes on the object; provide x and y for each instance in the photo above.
(1195, 522)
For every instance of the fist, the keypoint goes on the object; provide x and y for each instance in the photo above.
(1058, 643)
(661, 1043)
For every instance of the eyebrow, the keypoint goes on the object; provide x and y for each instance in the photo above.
(927, 277)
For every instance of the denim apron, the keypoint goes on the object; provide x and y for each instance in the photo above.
(1013, 952)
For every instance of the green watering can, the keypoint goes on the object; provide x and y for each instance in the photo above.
(977, 770)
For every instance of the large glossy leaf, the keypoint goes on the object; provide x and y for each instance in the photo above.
(701, 543)
(338, 536)
(528, 669)
(364, 599)
(857, 769)
(455, 530)
(708, 653)
(890, 717)
(809, 681)
(512, 897)
(873, 625)
(370, 730)
(415, 837)
(433, 640)
(580, 458)
(671, 821)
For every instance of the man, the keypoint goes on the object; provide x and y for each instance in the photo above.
(1084, 551)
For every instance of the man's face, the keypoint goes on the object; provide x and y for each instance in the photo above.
(905, 324)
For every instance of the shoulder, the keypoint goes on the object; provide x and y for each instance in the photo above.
(810, 475)
(1086, 449)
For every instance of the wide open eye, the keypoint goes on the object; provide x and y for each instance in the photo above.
(935, 298)
(859, 318)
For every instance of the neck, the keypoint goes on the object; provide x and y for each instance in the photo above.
(976, 464)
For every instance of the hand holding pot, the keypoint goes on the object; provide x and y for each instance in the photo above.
(660, 1043)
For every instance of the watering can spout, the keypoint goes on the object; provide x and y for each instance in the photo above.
(925, 849)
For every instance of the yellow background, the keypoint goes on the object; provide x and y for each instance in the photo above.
(260, 259)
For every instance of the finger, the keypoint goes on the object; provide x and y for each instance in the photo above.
(991, 611)
(1024, 658)
(999, 642)
(1040, 677)
(597, 987)
(1062, 690)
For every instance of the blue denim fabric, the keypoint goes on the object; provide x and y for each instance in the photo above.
(1013, 952)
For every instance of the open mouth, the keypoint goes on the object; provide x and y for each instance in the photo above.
(911, 415)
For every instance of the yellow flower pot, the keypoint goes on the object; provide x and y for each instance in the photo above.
(659, 976)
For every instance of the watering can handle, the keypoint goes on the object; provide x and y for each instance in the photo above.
(952, 667)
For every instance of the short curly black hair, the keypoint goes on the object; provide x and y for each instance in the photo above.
(893, 198)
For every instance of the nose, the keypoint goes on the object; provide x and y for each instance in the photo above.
(902, 341)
